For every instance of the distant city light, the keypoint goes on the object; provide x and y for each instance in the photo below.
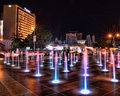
(49, 47)
(27, 10)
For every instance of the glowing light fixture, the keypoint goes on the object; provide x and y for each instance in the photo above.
(110, 35)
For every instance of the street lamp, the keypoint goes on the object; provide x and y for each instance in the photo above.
(34, 36)
(113, 36)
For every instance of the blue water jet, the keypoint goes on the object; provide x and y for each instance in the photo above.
(105, 67)
(65, 65)
(56, 78)
(26, 67)
(51, 60)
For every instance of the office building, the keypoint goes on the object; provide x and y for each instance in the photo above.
(18, 21)
(1, 30)
(71, 38)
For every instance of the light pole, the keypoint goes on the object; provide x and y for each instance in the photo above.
(34, 37)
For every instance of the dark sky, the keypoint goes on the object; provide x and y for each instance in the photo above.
(60, 16)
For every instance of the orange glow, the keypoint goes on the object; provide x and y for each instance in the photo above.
(1, 58)
(109, 35)
(117, 35)
(1, 39)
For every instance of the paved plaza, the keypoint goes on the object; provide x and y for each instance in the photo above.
(15, 82)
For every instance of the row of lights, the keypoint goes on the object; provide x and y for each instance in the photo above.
(116, 35)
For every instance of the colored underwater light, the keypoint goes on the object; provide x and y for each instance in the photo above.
(56, 79)
(114, 73)
(85, 91)
(26, 67)
(38, 74)
(105, 67)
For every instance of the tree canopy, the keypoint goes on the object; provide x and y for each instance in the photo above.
(43, 37)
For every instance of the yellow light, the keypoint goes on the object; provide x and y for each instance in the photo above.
(117, 35)
(109, 35)
(32, 28)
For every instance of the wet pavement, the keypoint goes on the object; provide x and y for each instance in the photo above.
(14, 82)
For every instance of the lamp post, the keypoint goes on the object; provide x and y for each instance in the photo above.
(34, 37)
(113, 36)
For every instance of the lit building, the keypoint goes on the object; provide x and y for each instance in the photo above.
(71, 38)
(18, 21)
(1, 30)
(88, 40)
(74, 37)
(93, 38)
(79, 36)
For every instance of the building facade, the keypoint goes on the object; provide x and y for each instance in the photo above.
(17, 21)
(71, 38)
(1, 30)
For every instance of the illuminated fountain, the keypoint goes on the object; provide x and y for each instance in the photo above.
(41, 65)
(77, 58)
(107, 55)
(114, 73)
(8, 58)
(33, 57)
(43, 59)
(68, 57)
(65, 65)
(100, 56)
(60, 59)
(98, 61)
(85, 62)
(111, 59)
(118, 61)
(5, 60)
(105, 66)
(18, 62)
(13, 59)
(51, 60)
(71, 60)
(85, 89)
(74, 59)
(56, 78)
(38, 74)
(26, 67)
(21, 58)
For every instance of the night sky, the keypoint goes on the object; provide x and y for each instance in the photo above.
(60, 16)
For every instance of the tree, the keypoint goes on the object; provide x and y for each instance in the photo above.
(103, 43)
(17, 41)
(43, 37)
